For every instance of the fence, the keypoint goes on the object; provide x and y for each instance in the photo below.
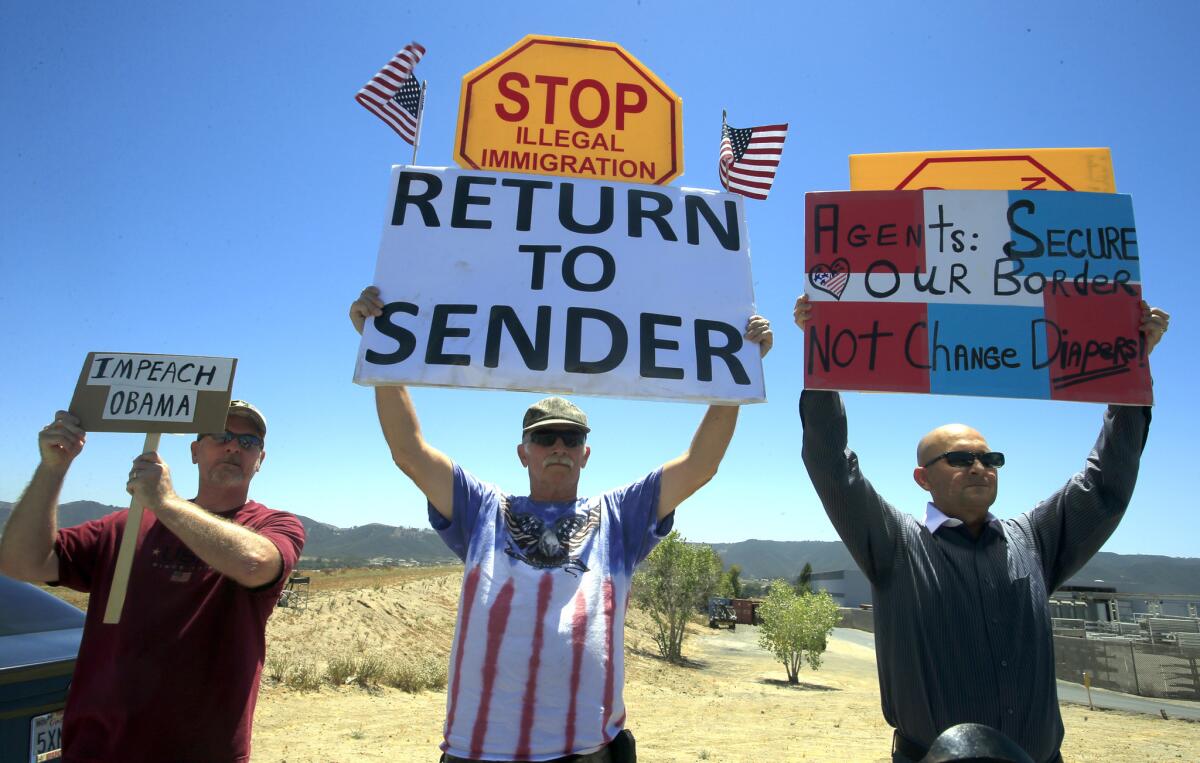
(859, 619)
(1167, 670)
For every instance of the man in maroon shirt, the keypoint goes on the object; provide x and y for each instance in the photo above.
(177, 678)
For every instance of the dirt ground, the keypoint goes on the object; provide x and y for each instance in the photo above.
(731, 703)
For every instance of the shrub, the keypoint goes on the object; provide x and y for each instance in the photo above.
(417, 675)
(304, 676)
(277, 667)
(340, 669)
(370, 669)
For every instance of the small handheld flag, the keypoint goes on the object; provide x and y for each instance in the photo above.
(749, 158)
(394, 95)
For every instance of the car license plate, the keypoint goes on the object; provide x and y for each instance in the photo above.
(45, 737)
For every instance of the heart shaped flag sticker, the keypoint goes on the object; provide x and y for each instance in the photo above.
(832, 278)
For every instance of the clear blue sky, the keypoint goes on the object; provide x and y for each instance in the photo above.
(197, 179)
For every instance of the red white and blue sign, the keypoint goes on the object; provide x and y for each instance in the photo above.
(1029, 294)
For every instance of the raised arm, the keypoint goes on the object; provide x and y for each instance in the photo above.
(237, 552)
(27, 546)
(1072, 525)
(431, 470)
(689, 472)
(868, 525)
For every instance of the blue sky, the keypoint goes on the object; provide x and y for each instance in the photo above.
(197, 179)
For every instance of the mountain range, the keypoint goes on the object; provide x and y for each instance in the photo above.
(759, 559)
(323, 541)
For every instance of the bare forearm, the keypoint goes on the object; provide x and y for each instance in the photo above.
(713, 436)
(429, 469)
(398, 420)
(27, 546)
(685, 475)
(230, 549)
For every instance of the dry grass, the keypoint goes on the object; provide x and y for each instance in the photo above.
(333, 579)
(303, 675)
(361, 675)
(423, 674)
(74, 598)
(341, 669)
(376, 578)
(728, 703)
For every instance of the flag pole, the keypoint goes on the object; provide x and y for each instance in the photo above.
(721, 158)
(420, 119)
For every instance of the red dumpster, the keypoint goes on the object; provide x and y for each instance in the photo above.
(746, 610)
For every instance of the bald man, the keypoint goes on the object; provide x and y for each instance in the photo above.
(962, 621)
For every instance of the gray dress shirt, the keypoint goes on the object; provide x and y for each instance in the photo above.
(962, 625)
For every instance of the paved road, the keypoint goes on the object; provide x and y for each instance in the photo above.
(862, 638)
(1130, 703)
(1076, 693)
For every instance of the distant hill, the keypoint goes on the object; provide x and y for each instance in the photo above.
(760, 559)
(1133, 573)
(69, 514)
(373, 541)
(770, 559)
(354, 544)
(1142, 573)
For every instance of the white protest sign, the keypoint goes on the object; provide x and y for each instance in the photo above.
(562, 285)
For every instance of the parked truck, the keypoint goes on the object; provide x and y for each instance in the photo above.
(721, 613)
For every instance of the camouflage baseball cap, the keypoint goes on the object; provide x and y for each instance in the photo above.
(250, 413)
(554, 411)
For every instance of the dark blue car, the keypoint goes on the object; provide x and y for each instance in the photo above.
(39, 638)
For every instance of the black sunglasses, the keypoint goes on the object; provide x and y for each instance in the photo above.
(963, 458)
(245, 441)
(571, 438)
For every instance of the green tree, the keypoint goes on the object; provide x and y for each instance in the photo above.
(675, 580)
(796, 628)
(804, 581)
(731, 583)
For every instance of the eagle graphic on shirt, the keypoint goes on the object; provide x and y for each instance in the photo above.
(542, 547)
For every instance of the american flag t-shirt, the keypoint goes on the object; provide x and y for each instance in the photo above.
(394, 95)
(537, 668)
(749, 158)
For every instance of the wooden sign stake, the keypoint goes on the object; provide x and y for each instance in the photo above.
(133, 523)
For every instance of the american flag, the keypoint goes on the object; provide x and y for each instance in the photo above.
(833, 282)
(394, 95)
(749, 157)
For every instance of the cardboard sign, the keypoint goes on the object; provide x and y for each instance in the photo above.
(574, 108)
(1028, 294)
(572, 286)
(1042, 169)
(133, 392)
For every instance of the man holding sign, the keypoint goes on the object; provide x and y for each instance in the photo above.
(537, 667)
(177, 677)
(962, 623)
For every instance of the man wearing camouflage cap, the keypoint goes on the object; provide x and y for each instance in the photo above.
(177, 678)
(537, 667)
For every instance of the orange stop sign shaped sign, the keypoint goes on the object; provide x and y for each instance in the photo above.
(1043, 169)
(578, 108)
